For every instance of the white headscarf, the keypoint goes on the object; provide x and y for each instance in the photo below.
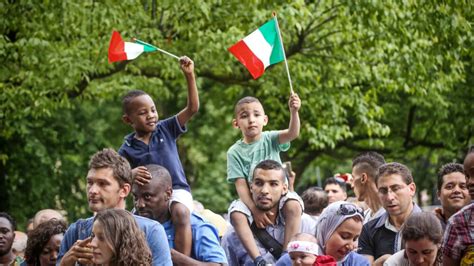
(331, 218)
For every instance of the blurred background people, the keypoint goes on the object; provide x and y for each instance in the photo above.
(43, 243)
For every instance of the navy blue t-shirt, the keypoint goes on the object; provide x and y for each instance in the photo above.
(161, 150)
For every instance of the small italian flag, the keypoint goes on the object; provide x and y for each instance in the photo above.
(120, 50)
(260, 49)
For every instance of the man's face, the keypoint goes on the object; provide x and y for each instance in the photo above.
(267, 188)
(250, 119)
(6, 236)
(103, 190)
(357, 186)
(151, 200)
(335, 193)
(469, 169)
(454, 193)
(142, 114)
(396, 196)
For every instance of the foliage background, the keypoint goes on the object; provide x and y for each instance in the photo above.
(390, 76)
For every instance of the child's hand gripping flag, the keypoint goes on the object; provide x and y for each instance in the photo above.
(260, 49)
(120, 50)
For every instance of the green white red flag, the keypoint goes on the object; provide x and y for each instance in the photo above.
(260, 49)
(120, 50)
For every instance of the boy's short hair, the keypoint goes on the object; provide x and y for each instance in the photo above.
(394, 169)
(448, 169)
(10, 220)
(368, 162)
(109, 158)
(246, 99)
(270, 165)
(333, 180)
(127, 98)
(315, 200)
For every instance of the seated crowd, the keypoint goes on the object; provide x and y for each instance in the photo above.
(391, 230)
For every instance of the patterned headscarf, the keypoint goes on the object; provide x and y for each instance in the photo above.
(331, 218)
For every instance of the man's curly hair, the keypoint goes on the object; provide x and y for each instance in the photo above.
(123, 236)
(39, 237)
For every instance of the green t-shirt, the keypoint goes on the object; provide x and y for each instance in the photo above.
(242, 157)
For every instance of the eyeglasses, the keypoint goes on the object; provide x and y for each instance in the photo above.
(395, 189)
(349, 209)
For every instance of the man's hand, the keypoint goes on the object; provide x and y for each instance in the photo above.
(261, 218)
(79, 252)
(294, 102)
(187, 65)
(141, 176)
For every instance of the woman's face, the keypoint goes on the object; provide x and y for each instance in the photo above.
(102, 250)
(50, 251)
(344, 239)
(421, 252)
(302, 258)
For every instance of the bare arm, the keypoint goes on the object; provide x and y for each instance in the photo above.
(79, 252)
(181, 259)
(293, 130)
(192, 106)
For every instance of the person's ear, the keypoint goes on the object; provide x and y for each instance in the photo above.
(234, 123)
(412, 188)
(126, 119)
(285, 189)
(438, 193)
(125, 190)
(169, 193)
(363, 178)
(265, 120)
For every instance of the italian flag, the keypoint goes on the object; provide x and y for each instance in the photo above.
(120, 50)
(260, 49)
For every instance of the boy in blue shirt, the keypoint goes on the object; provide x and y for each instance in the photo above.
(154, 142)
(244, 155)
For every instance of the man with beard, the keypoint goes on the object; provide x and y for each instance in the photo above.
(267, 188)
(109, 182)
(152, 200)
(7, 235)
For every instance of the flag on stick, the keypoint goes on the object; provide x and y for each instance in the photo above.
(120, 50)
(260, 49)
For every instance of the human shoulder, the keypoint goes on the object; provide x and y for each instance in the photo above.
(356, 259)
(397, 259)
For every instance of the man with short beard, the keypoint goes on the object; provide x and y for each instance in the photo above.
(152, 200)
(267, 188)
(7, 235)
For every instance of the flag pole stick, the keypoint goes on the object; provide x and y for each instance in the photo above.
(161, 50)
(284, 54)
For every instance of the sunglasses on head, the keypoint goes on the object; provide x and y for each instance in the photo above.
(349, 209)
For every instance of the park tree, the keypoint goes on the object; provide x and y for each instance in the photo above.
(386, 76)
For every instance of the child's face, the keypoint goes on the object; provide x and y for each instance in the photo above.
(250, 119)
(302, 258)
(142, 115)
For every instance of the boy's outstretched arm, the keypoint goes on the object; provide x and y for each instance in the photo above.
(293, 130)
(192, 107)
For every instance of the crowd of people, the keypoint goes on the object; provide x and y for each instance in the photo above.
(269, 223)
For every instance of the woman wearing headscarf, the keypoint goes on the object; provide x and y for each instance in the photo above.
(337, 232)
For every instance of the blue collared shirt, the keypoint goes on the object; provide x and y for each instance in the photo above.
(154, 235)
(206, 246)
(161, 150)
